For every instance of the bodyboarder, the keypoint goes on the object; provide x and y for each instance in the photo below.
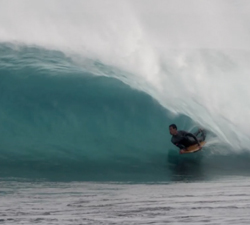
(183, 139)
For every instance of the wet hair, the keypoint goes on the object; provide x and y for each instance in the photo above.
(173, 125)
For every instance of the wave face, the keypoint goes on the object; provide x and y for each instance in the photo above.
(56, 118)
(89, 90)
(60, 122)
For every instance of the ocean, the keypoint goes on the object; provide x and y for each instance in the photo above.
(86, 100)
(224, 201)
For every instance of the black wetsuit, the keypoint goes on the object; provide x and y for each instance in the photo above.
(184, 139)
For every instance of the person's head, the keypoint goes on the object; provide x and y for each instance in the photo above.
(173, 129)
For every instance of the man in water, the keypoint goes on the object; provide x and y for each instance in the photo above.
(183, 139)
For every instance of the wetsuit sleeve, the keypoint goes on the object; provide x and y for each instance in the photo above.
(191, 135)
(183, 132)
(180, 146)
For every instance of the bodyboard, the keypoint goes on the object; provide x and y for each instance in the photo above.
(194, 148)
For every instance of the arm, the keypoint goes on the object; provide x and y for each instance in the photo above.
(181, 147)
(178, 144)
(191, 135)
(185, 133)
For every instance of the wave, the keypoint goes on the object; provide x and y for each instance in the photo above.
(62, 121)
(197, 69)
(54, 116)
(87, 91)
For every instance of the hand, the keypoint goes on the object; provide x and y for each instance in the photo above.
(182, 151)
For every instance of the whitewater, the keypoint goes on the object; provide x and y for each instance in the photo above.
(87, 92)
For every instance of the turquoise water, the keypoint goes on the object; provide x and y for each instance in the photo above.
(62, 122)
(59, 121)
